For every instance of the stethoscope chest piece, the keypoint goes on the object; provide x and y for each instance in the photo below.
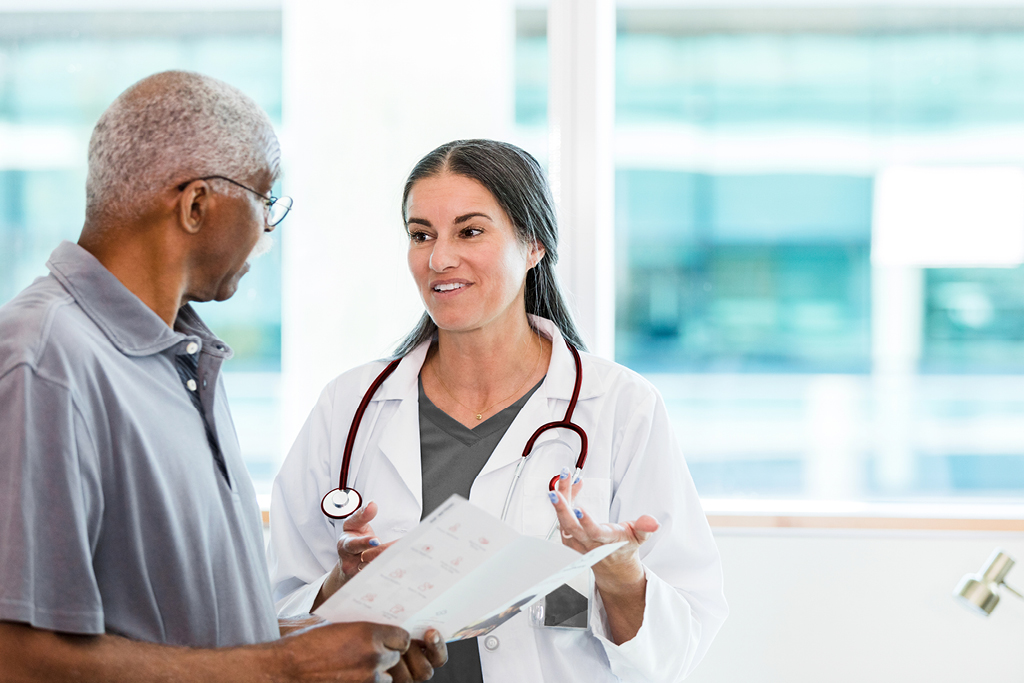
(341, 503)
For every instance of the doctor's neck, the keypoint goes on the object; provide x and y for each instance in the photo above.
(490, 353)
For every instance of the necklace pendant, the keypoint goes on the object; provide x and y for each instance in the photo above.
(479, 416)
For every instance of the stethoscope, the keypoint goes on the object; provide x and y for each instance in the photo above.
(343, 501)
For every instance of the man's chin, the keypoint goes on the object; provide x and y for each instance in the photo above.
(230, 286)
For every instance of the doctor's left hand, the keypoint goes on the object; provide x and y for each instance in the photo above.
(357, 546)
(620, 570)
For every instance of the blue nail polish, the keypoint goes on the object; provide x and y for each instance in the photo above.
(579, 513)
(564, 474)
(576, 480)
(553, 496)
(374, 542)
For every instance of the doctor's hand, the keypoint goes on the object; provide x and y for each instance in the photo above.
(357, 546)
(582, 533)
(620, 577)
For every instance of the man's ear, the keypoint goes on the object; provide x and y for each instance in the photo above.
(194, 205)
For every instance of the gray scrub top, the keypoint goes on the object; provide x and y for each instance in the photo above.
(114, 515)
(451, 457)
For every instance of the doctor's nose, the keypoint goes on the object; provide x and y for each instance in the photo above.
(443, 256)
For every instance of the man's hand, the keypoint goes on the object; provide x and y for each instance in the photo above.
(420, 660)
(358, 546)
(346, 653)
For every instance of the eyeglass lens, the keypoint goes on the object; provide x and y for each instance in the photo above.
(278, 210)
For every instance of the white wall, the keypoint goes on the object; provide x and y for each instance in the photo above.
(861, 607)
(371, 87)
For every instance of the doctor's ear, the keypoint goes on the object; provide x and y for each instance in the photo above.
(537, 252)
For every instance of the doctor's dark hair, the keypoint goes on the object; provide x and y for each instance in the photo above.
(517, 183)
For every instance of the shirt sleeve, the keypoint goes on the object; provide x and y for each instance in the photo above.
(51, 504)
(301, 536)
(685, 603)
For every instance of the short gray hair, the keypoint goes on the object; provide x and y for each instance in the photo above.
(171, 127)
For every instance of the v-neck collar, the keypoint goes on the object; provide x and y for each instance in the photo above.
(500, 421)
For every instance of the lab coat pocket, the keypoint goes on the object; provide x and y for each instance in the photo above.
(539, 514)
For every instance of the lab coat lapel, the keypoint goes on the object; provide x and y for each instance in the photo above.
(400, 438)
(400, 444)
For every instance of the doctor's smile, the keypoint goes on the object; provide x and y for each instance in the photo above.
(449, 287)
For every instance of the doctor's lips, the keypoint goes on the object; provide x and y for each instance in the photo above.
(447, 286)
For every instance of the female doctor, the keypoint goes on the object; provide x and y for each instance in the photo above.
(487, 365)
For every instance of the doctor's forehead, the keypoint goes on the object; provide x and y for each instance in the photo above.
(449, 198)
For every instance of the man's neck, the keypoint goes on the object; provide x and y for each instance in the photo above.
(147, 268)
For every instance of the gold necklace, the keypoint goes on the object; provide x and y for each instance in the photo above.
(480, 415)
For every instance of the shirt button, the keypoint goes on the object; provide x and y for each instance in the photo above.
(191, 384)
(191, 348)
(491, 643)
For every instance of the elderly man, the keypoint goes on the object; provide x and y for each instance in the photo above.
(130, 542)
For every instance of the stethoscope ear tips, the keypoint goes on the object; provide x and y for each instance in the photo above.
(341, 503)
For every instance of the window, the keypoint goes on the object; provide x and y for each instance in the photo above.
(748, 150)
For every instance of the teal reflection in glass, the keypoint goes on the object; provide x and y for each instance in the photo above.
(898, 81)
(742, 273)
(974, 320)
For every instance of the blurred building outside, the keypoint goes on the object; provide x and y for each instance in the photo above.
(758, 154)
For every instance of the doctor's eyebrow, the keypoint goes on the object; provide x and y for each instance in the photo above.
(459, 219)
(476, 214)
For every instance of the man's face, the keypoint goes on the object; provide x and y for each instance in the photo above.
(237, 231)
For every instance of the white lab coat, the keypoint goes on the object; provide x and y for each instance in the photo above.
(634, 467)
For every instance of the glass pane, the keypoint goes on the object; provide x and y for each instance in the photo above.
(747, 157)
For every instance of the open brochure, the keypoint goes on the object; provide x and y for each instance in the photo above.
(461, 571)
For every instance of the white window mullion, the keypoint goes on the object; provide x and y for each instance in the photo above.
(581, 113)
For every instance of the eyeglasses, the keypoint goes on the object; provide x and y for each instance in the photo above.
(276, 207)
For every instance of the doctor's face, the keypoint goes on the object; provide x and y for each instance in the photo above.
(464, 254)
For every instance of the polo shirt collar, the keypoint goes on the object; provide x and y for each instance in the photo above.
(130, 325)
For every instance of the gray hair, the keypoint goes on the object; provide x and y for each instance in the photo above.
(517, 183)
(171, 127)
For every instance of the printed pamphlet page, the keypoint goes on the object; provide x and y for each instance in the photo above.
(461, 571)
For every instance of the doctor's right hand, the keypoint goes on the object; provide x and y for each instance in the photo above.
(357, 547)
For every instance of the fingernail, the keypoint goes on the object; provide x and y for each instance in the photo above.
(579, 513)
(564, 474)
(577, 479)
(374, 543)
(436, 638)
(553, 496)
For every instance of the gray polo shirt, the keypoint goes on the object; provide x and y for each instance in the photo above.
(114, 515)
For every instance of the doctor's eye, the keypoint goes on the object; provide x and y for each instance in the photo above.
(418, 236)
(471, 232)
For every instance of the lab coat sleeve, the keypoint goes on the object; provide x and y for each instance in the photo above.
(303, 542)
(685, 603)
